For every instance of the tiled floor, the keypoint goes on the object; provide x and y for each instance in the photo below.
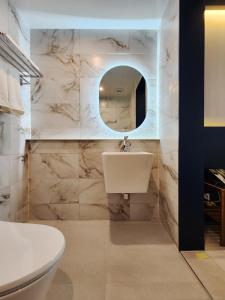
(212, 237)
(122, 261)
(209, 265)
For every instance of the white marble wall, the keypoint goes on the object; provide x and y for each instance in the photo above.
(14, 130)
(169, 118)
(66, 182)
(65, 103)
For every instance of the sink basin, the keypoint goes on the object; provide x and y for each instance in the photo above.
(127, 172)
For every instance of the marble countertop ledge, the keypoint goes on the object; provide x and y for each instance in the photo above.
(85, 139)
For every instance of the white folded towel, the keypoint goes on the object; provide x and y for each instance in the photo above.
(4, 98)
(14, 91)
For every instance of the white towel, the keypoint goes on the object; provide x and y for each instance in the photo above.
(4, 99)
(14, 91)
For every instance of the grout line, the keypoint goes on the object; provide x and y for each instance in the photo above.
(198, 278)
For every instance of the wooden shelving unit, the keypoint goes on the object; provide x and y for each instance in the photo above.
(217, 213)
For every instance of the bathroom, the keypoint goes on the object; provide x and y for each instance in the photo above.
(97, 200)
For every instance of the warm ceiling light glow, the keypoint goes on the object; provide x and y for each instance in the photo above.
(101, 89)
(215, 10)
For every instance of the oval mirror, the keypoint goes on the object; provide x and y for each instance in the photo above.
(122, 98)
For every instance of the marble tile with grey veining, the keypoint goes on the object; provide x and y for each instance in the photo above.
(119, 207)
(18, 168)
(144, 212)
(18, 29)
(60, 83)
(89, 103)
(53, 178)
(1, 135)
(168, 123)
(118, 41)
(99, 145)
(91, 197)
(90, 165)
(60, 43)
(145, 145)
(56, 97)
(104, 41)
(19, 202)
(5, 171)
(93, 212)
(61, 166)
(168, 208)
(92, 191)
(54, 211)
(167, 220)
(45, 124)
(4, 203)
(13, 137)
(18, 136)
(91, 66)
(47, 146)
(93, 200)
(4, 24)
(5, 134)
(143, 41)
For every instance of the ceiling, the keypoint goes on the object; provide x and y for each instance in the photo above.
(132, 14)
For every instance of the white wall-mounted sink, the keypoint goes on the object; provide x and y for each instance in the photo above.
(127, 172)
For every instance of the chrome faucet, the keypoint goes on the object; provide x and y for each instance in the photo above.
(125, 147)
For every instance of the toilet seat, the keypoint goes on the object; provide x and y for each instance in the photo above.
(27, 252)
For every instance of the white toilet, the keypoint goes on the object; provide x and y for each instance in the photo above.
(29, 257)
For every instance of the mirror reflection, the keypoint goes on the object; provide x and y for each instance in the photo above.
(122, 98)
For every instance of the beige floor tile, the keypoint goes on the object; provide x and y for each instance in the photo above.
(61, 278)
(63, 292)
(141, 252)
(121, 261)
(76, 292)
(144, 266)
(208, 271)
(91, 292)
(218, 257)
(87, 269)
(84, 257)
(157, 291)
(137, 233)
(82, 237)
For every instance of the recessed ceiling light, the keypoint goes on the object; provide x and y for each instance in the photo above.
(119, 91)
(101, 89)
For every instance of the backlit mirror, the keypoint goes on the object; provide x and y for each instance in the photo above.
(122, 98)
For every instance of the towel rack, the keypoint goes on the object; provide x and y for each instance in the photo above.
(12, 53)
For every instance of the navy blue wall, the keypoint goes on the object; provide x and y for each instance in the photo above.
(191, 121)
(214, 147)
(199, 147)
